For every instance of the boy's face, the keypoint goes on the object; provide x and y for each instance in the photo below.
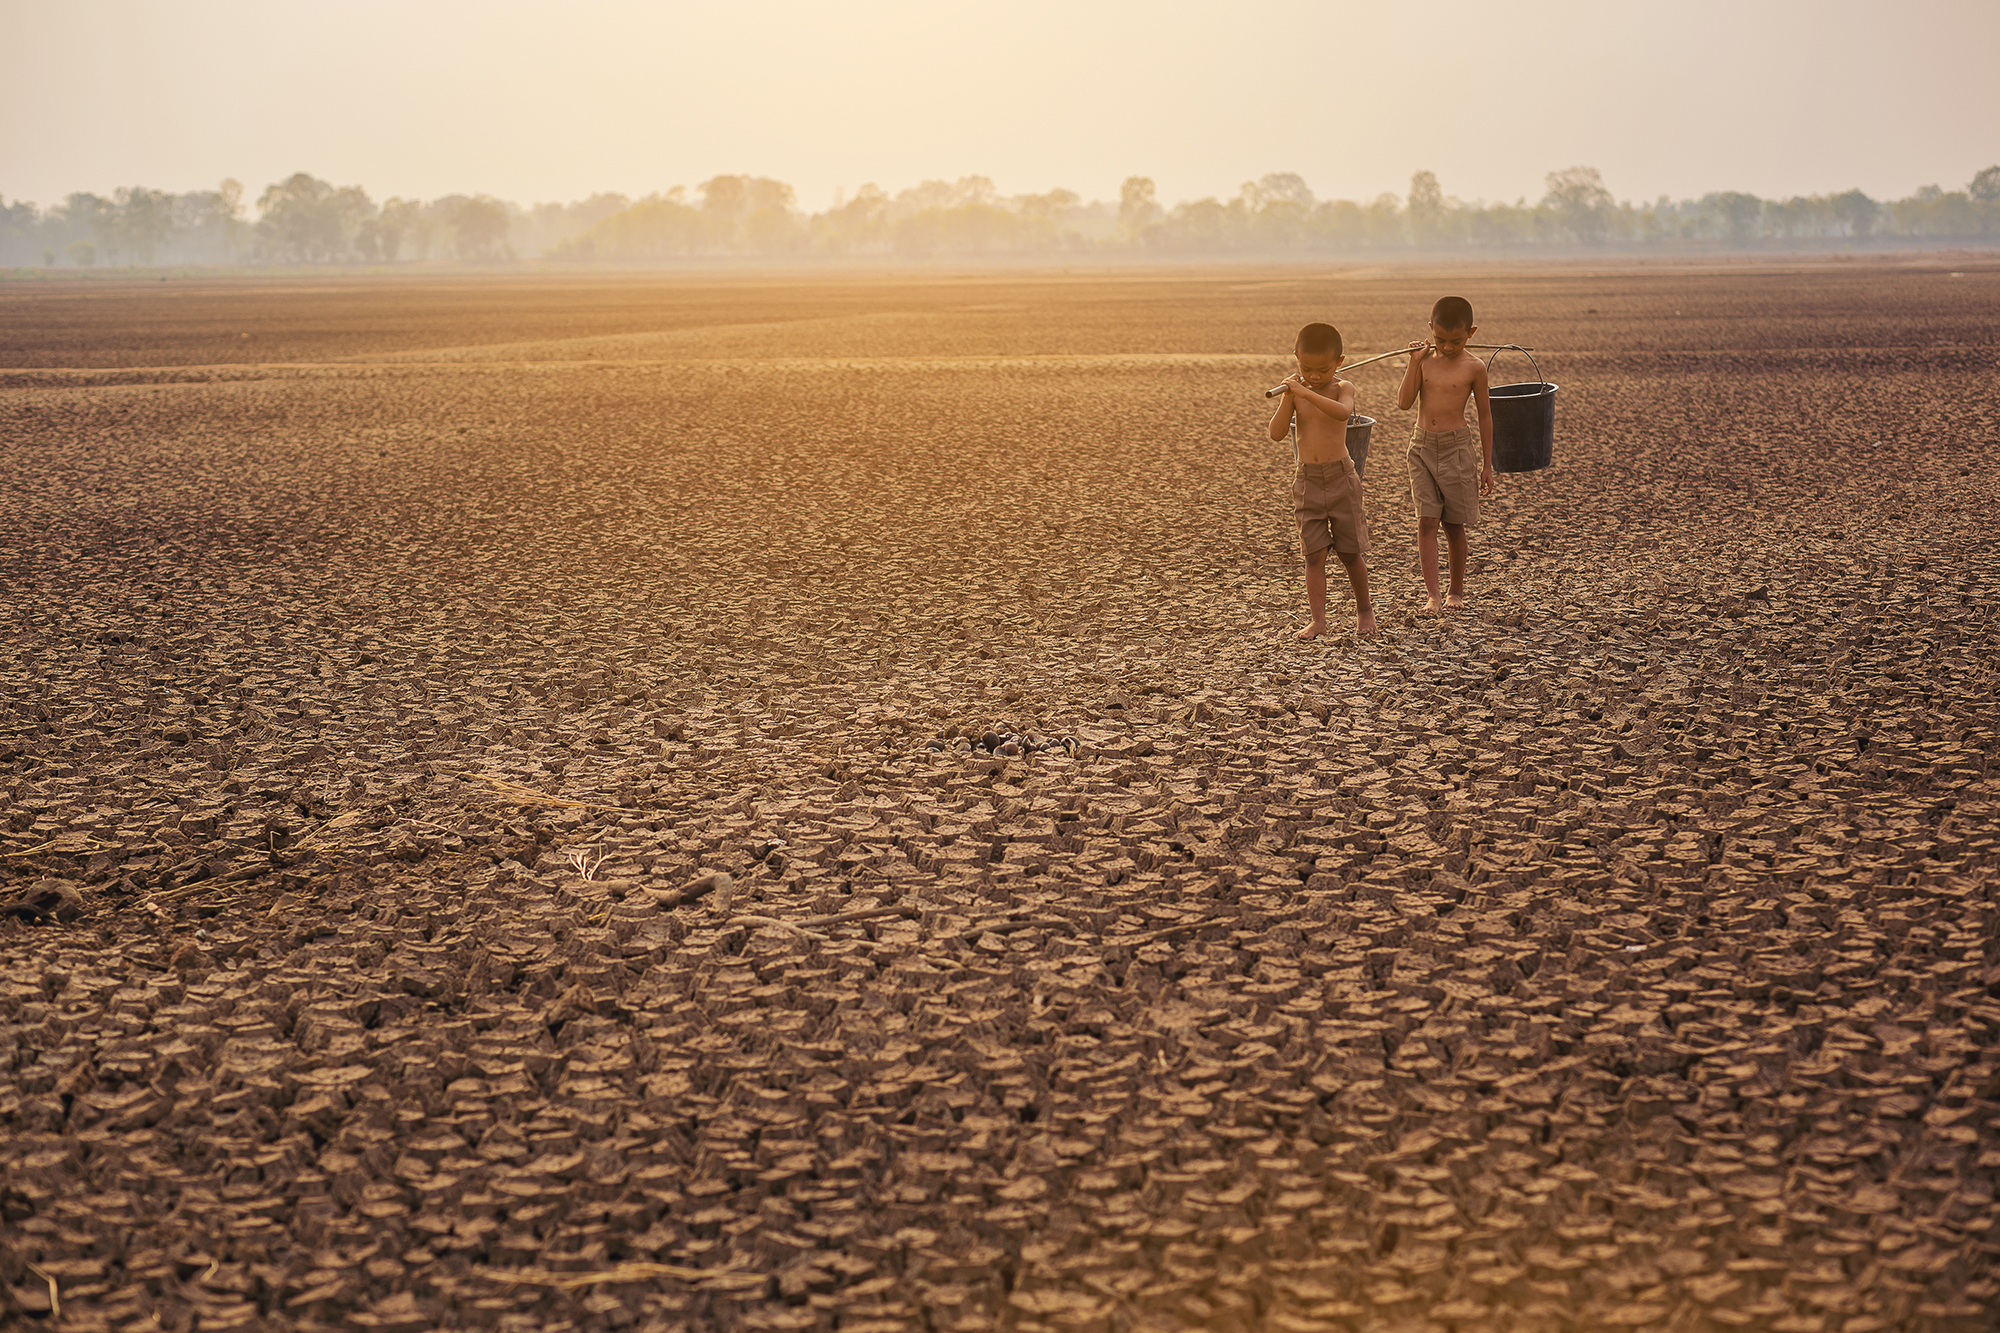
(1316, 368)
(1451, 342)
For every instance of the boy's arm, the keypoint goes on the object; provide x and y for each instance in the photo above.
(1340, 407)
(1412, 386)
(1281, 420)
(1484, 402)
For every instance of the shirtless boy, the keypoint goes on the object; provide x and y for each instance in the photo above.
(1326, 495)
(1445, 479)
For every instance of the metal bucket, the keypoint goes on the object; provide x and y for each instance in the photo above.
(1358, 427)
(1524, 421)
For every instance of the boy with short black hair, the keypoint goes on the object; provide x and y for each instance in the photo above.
(1326, 493)
(1445, 479)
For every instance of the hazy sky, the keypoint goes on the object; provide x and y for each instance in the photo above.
(546, 101)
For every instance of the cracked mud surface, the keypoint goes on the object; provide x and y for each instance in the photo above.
(1619, 953)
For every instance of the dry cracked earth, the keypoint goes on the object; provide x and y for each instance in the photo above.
(394, 670)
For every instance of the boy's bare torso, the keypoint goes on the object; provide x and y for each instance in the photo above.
(1447, 383)
(1322, 438)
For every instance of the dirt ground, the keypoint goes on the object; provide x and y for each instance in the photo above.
(390, 667)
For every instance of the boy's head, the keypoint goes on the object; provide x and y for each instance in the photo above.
(1318, 350)
(1451, 325)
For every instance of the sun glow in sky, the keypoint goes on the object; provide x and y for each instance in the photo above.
(544, 101)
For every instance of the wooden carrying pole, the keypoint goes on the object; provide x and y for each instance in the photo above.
(1404, 351)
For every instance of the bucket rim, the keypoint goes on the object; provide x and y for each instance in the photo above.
(1539, 386)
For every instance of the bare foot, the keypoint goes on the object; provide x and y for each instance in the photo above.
(1454, 603)
(1312, 631)
(1432, 608)
(1364, 624)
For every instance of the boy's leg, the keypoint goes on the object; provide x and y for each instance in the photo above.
(1315, 593)
(1357, 579)
(1427, 560)
(1456, 547)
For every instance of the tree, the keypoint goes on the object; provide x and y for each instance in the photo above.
(1985, 186)
(1580, 202)
(398, 223)
(145, 220)
(83, 213)
(1279, 187)
(597, 207)
(725, 196)
(368, 239)
(230, 194)
(1204, 224)
(862, 223)
(1502, 223)
(479, 229)
(548, 228)
(739, 196)
(309, 221)
(1275, 210)
(1053, 206)
(20, 222)
(1931, 211)
(1340, 223)
(1383, 220)
(975, 227)
(975, 190)
(925, 196)
(1138, 208)
(1856, 212)
(1040, 219)
(1740, 214)
(292, 220)
(730, 203)
(654, 228)
(206, 223)
(771, 229)
(1426, 208)
(221, 218)
(1798, 216)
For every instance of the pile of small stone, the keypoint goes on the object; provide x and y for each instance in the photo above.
(1008, 743)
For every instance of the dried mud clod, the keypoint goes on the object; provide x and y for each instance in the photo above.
(504, 879)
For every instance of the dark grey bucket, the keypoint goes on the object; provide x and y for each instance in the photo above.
(1524, 422)
(1358, 427)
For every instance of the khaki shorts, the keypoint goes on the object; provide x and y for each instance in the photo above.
(1444, 474)
(1327, 500)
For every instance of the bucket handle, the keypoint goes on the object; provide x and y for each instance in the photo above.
(1516, 347)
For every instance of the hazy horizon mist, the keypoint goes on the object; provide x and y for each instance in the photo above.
(528, 102)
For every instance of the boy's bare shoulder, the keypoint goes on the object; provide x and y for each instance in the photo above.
(1457, 371)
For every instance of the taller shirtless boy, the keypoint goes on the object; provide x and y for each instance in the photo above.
(1445, 479)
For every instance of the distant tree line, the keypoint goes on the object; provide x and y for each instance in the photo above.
(305, 220)
(299, 220)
